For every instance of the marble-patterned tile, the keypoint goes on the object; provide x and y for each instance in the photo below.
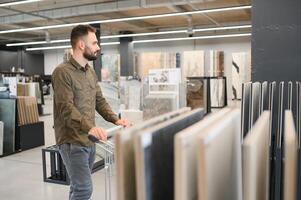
(133, 116)
(256, 160)
(154, 60)
(192, 64)
(110, 67)
(195, 93)
(158, 104)
(217, 92)
(216, 64)
(241, 72)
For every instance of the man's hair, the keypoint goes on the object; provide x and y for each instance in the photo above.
(80, 31)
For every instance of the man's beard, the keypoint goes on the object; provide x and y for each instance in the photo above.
(89, 55)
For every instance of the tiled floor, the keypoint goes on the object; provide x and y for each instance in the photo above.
(21, 175)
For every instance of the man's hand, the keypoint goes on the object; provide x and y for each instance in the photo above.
(99, 133)
(123, 122)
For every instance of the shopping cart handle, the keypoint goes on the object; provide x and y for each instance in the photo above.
(92, 138)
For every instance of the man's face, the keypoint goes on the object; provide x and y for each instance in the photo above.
(91, 47)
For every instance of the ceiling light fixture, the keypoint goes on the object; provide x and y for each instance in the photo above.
(136, 35)
(128, 19)
(153, 40)
(67, 46)
(193, 38)
(17, 3)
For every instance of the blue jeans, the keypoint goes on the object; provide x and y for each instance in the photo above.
(79, 161)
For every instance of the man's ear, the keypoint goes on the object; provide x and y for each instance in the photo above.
(81, 44)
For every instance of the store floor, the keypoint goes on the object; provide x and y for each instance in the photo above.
(21, 174)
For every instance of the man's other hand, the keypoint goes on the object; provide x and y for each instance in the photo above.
(99, 133)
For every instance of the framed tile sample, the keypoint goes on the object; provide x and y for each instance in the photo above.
(256, 102)
(1, 137)
(246, 108)
(264, 96)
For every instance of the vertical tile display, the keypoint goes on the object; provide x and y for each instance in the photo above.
(216, 64)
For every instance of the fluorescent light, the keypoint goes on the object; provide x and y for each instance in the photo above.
(128, 19)
(136, 35)
(17, 3)
(154, 40)
(37, 42)
(193, 38)
(67, 46)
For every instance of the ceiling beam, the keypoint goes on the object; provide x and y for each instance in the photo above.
(99, 8)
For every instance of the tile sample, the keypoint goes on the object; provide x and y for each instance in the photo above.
(246, 108)
(110, 67)
(256, 102)
(215, 64)
(185, 156)
(219, 160)
(195, 93)
(8, 117)
(158, 104)
(264, 96)
(256, 160)
(290, 160)
(192, 64)
(154, 60)
(218, 92)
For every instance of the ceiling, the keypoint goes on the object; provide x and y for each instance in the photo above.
(51, 12)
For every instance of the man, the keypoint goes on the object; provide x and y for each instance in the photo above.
(76, 96)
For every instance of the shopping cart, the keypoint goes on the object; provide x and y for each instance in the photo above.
(105, 149)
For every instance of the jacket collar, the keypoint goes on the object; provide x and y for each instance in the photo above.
(77, 65)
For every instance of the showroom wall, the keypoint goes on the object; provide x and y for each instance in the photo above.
(276, 43)
(32, 63)
(229, 46)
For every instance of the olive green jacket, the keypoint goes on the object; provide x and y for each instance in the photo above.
(76, 96)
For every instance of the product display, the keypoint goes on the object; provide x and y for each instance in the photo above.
(219, 160)
(154, 148)
(125, 159)
(27, 110)
(29, 89)
(256, 160)
(185, 156)
(8, 117)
